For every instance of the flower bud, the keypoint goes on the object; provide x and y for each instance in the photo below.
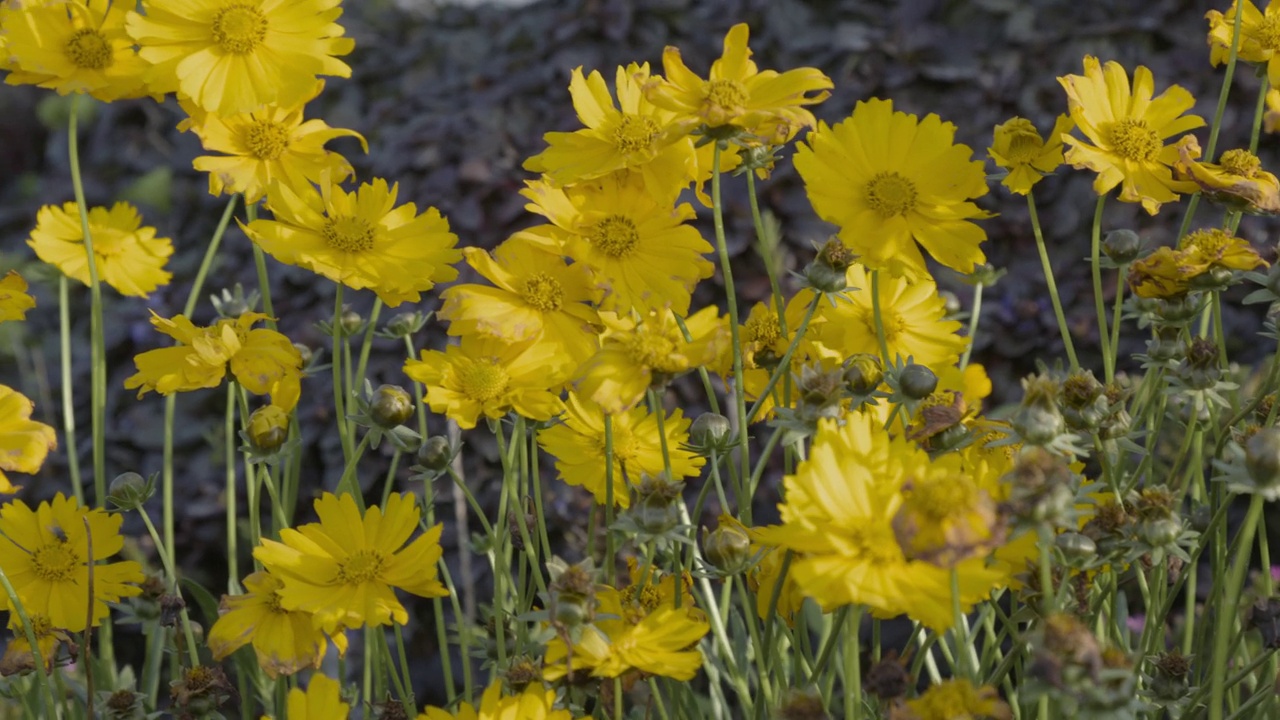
(351, 321)
(406, 323)
(129, 490)
(435, 453)
(1038, 420)
(917, 381)
(305, 352)
(390, 406)
(710, 431)
(1122, 245)
(268, 428)
(835, 255)
(1077, 548)
(863, 373)
(1262, 457)
(1160, 532)
(1199, 369)
(727, 548)
(824, 278)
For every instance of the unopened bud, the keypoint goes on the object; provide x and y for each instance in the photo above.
(727, 548)
(917, 381)
(710, 431)
(1122, 245)
(390, 406)
(1262, 457)
(435, 453)
(863, 373)
(351, 322)
(268, 428)
(129, 491)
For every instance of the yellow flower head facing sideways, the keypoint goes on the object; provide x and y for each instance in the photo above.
(24, 443)
(1237, 180)
(14, 299)
(1017, 147)
(130, 258)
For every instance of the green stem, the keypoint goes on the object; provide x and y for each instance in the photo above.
(229, 461)
(974, 314)
(1095, 262)
(172, 575)
(1226, 619)
(853, 666)
(339, 393)
(784, 365)
(878, 314)
(68, 404)
(48, 703)
(368, 342)
(260, 264)
(1258, 112)
(1052, 284)
(610, 563)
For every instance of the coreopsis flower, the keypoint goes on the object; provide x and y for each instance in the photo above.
(535, 296)
(1169, 272)
(1271, 118)
(764, 345)
(1259, 39)
(946, 515)
(535, 702)
(262, 360)
(45, 553)
(130, 257)
(24, 443)
(767, 104)
(18, 656)
(890, 181)
(344, 569)
(1128, 127)
(75, 46)
(14, 299)
(360, 239)
(234, 56)
(270, 143)
(1018, 148)
(635, 355)
(484, 376)
(636, 244)
(1236, 180)
(578, 445)
(285, 641)
(322, 700)
(954, 700)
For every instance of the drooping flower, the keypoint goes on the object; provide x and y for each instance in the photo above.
(45, 553)
(536, 702)
(322, 700)
(130, 257)
(285, 641)
(1170, 272)
(891, 181)
(344, 569)
(234, 56)
(14, 300)
(24, 443)
(1236, 180)
(74, 46)
(18, 656)
(1259, 36)
(360, 239)
(1018, 148)
(1128, 127)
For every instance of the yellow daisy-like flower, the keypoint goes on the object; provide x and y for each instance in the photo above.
(271, 143)
(1018, 148)
(1259, 36)
(1271, 118)
(343, 569)
(890, 181)
(1128, 127)
(234, 56)
(766, 103)
(1169, 272)
(578, 445)
(76, 46)
(322, 700)
(764, 345)
(637, 245)
(24, 443)
(285, 641)
(130, 258)
(483, 376)
(955, 700)
(14, 300)
(1236, 180)
(534, 703)
(18, 656)
(946, 515)
(45, 553)
(262, 360)
(535, 296)
(360, 239)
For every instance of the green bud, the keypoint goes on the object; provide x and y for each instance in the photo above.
(390, 406)
(727, 548)
(1076, 548)
(406, 323)
(351, 321)
(268, 428)
(129, 490)
(710, 431)
(1262, 457)
(917, 381)
(304, 351)
(435, 453)
(1159, 532)
(863, 373)
(1122, 246)
(824, 278)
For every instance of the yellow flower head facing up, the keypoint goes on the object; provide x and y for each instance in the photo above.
(764, 103)
(234, 56)
(1018, 148)
(262, 360)
(130, 257)
(483, 376)
(634, 356)
(577, 443)
(955, 700)
(322, 700)
(1237, 180)
(24, 443)
(285, 641)
(639, 247)
(360, 239)
(344, 569)
(1127, 128)
(18, 656)
(890, 181)
(1259, 36)
(76, 46)
(535, 296)
(45, 553)
(14, 299)
(536, 702)
(267, 144)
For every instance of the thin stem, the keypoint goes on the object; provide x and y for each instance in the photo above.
(853, 666)
(339, 394)
(974, 314)
(1226, 618)
(68, 405)
(172, 577)
(1054, 297)
(229, 461)
(878, 314)
(1095, 261)
(48, 703)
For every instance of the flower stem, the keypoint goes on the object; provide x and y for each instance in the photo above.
(229, 458)
(1225, 624)
(974, 315)
(1053, 285)
(172, 575)
(879, 318)
(1095, 259)
(49, 705)
(339, 393)
(68, 405)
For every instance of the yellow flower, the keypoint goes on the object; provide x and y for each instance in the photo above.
(634, 356)
(270, 143)
(534, 703)
(577, 443)
(262, 360)
(45, 553)
(77, 46)
(285, 641)
(130, 258)
(344, 568)
(954, 700)
(764, 345)
(1236, 180)
(14, 300)
(946, 515)
(1018, 148)
(482, 376)
(765, 103)
(24, 443)
(891, 181)
(1271, 119)
(360, 239)
(234, 56)
(536, 296)
(322, 700)
(1128, 128)
(18, 657)
(1169, 272)
(638, 246)
(1259, 37)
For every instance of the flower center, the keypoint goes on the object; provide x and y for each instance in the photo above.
(891, 194)
(273, 603)
(484, 380)
(361, 566)
(239, 28)
(1241, 163)
(55, 562)
(635, 132)
(1268, 32)
(727, 96)
(653, 351)
(1024, 147)
(936, 499)
(894, 323)
(89, 50)
(41, 625)
(267, 140)
(348, 234)
(877, 546)
(763, 329)
(1133, 139)
(615, 236)
(1207, 243)
(543, 292)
